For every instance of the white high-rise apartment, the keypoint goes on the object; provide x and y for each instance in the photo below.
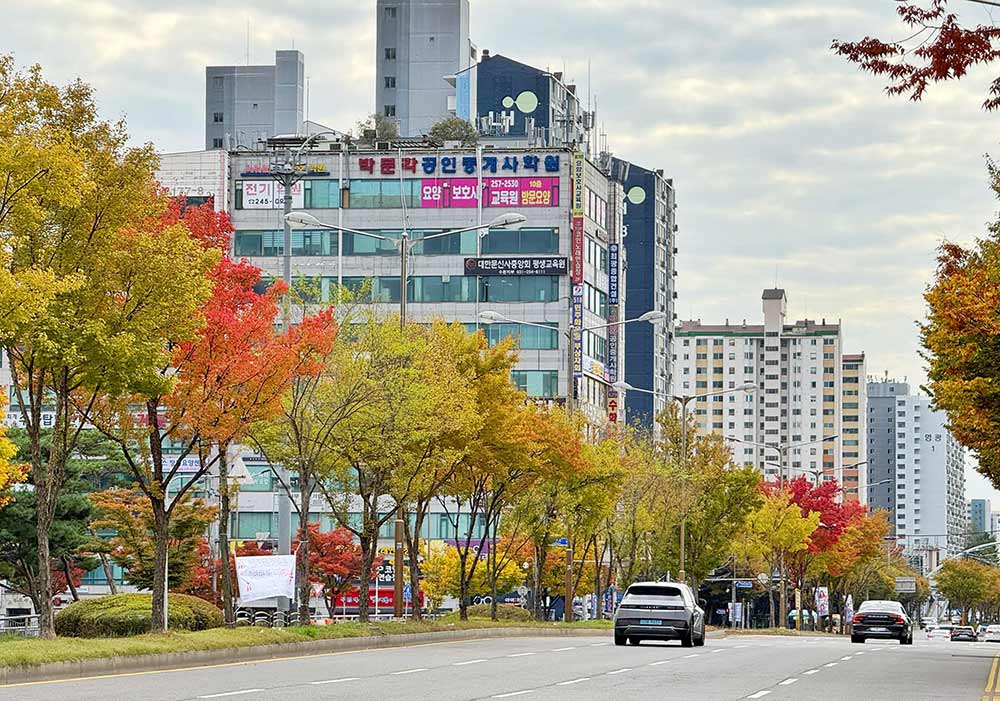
(798, 370)
(929, 513)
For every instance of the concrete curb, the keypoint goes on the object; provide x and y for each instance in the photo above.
(180, 660)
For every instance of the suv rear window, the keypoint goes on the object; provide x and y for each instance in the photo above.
(671, 592)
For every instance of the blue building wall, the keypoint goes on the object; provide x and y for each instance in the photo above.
(499, 79)
(640, 247)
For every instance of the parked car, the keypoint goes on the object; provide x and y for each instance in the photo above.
(882, 619)
(928, 621)
(660, 611)
(963, 633)
(941, 631)
(992, 634)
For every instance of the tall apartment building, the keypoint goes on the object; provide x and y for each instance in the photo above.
(853, 439)
(420, 44)
(246, 105)
(917, 470)
(980, 516)
(798, 371)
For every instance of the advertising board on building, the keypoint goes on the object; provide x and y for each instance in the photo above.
(577, 241)
(613, 331)
(497, 192)
(494, 164)
(545, 265)
(613, 273)
(577, 322)
(268, 194)
(579, 186)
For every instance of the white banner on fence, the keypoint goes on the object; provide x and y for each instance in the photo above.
(266, 576)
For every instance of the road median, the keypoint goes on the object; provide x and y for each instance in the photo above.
(28, 660)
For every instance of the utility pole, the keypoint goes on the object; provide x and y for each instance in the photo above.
(286, 174)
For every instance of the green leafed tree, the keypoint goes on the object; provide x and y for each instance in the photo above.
(454, 129)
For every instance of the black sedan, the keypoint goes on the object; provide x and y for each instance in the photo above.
(882, 619)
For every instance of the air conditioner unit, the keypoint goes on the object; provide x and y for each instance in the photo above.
(383, 145)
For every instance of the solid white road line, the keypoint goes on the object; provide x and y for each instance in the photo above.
(654, 664)
(811, 671)
(790, 680)
(620, 671)
(561, 649)
(336, 681)
(410, 671)
(462, 664)
(759, 694)
(574, 681)
(521, 654)
(230, 693)
(514, 693)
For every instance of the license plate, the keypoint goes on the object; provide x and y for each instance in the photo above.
(650, 622)
(877, 630)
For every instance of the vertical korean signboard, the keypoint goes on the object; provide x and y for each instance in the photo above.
(579, 203)
(577, 322)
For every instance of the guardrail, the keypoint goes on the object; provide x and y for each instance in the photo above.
(24, 626)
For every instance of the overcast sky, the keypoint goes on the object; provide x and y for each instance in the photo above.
(791, 167)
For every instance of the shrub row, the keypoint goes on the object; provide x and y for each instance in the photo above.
(129, 614)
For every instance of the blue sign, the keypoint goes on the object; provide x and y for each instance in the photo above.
(407, 593)
(613, 273)
(562, 542)
(744, 584)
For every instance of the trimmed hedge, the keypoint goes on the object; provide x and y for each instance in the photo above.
(122, 615)
(505, 612)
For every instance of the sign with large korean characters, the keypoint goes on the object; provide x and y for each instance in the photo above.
(266, 576)
(515, 266)
(497, 192)
(268, 194)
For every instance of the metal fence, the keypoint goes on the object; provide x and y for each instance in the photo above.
(24, 626)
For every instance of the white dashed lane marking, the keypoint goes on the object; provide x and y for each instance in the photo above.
(513, 693)
(230, 693)
(620, 671)
(791, 680)
(462, 664)
(335, 681)
(410, 671)
(521, 654)
(811, 671)
(830, 664)
(759, 694)
(574, 681)
(654, 664)
(563, 649)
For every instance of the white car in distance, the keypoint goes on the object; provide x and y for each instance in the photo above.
(940, 632)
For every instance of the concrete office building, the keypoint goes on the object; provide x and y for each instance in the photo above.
(909, 444)
(245, 105)
(980, 516)
(798, 370)
(558, 268)
(419, 45)
(200, 177)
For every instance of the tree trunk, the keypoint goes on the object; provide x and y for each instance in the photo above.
(770, 606)
(68, 570)
(537, 576)
(46, 618)
(302, 561)
(224, 515)
(161, 524)
(412, 538)
(463, 584)
(364, 579)
(109, 575)
(598, 557)
(492, 562)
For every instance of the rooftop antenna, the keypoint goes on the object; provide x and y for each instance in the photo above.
(590, 138)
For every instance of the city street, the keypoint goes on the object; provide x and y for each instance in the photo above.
(575, 668)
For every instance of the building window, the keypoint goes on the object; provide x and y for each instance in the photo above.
(217, 117)
(390, 12)
(537, 383)
(216, 143)
(390, 54)
(390, 81)
(390, 110)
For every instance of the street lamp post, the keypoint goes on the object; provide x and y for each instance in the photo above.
(405, 244)
(684, 400)
(492, 317)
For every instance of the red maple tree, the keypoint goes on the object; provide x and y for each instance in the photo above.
(335, 562)
(939, 48)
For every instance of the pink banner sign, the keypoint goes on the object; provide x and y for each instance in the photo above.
(500, 192)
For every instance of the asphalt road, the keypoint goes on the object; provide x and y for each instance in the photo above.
(751, 667)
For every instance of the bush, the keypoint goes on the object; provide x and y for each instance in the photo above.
(505, 612)
(129, 614)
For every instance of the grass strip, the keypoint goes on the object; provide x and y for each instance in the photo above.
(21, 652)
